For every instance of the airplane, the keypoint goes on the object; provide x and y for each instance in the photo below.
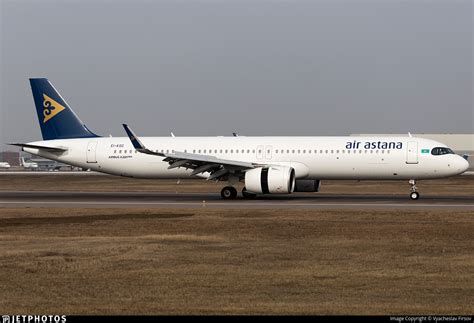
(4, 165)
(28, 165)
(266, 165)
(50, 165)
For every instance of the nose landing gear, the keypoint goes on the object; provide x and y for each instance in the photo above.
(414, 195)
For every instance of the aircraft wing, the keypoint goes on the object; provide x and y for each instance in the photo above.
(218, 168)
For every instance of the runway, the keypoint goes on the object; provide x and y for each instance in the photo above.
(213, 200)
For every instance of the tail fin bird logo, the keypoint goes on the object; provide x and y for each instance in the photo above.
(50, 108)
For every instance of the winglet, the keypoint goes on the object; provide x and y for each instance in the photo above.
(137, 144)
(133, 138)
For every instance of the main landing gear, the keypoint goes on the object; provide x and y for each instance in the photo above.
(414, 195)
(230, 193)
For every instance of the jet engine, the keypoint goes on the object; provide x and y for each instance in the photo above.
(270, 180)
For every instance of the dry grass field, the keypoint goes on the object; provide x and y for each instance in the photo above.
(235, 261)
(205, 261)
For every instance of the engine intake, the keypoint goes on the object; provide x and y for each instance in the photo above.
(270, 180)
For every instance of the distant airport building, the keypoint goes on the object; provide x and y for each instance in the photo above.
(462, 144)
(11, 157)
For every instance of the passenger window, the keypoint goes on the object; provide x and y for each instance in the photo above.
(248, 151)
(115, 151)
(220, 151)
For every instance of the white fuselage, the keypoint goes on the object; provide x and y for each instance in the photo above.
(29, 165)
(311, 157)
(4, 165)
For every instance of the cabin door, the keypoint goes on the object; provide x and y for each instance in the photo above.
(268, 152)
(412, 152)
(91, 152)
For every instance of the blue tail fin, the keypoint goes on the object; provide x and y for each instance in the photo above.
(56, 118)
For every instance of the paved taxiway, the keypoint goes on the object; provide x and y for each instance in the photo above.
(192, 200)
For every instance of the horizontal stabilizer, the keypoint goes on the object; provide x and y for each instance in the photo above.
(51, 149)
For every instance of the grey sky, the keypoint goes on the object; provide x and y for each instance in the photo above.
(256, 67)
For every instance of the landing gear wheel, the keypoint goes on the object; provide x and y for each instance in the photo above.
(247, 194)
(414, 195)
(229, 193)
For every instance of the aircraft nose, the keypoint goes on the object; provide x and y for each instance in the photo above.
(462, 164)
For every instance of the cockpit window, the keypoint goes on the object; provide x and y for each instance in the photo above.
(441, 151)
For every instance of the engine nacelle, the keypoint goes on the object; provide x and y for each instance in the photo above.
(307, 185)
(270, 180)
